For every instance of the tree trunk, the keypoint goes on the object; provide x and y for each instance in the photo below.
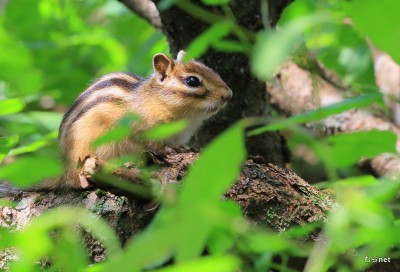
(250, 98)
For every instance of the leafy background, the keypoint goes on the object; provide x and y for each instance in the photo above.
(51, 50)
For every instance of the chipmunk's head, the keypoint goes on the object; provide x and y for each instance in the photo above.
(191, 88)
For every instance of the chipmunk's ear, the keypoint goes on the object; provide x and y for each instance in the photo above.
(180, 55)
(162, 65)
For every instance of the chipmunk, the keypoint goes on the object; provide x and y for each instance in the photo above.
(175, 90)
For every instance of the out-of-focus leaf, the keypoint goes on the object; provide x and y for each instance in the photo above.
(381, 24)
(35, 242)
(72, 249)
(200, 45)
(35, 145)
(49, 120)
(83, 42)
(352, 182)
(230, 46)
(165, 131)
(227, 263)
(333, 43)
(303, 230)
(206, 176)
(297, 9)
(6, 143)
(7, 238)
(384, 190)
(220, 242)
(360, 219)
(121, 131)
(321, 113)
(30, 169)
(8, 203)
(10, 106)
(351, 147)
(18, 68)
(165, 4)
(274, 46)
(216, 2)
(262, 242)
(344, 51)
(192, 211)
(115, 134)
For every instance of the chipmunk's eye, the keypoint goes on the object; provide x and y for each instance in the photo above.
(192, 81)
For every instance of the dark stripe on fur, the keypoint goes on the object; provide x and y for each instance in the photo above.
(195, 95)
(96, 102)
(98, 85)
(124, 84)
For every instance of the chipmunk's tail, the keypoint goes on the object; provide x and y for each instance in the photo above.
(7, 189)
(46, 185)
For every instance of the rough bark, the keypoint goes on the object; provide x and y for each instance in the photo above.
(270, 196)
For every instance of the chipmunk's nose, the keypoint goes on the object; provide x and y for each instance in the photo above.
(228, 95)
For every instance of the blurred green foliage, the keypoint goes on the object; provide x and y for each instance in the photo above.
(51, 49)
(52, 54)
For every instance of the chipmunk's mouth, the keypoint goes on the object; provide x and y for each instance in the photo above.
(213, 108)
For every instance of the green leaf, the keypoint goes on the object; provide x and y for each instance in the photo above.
(72, 249)
(346, 53)
(298, 9)
(17, 64)
(121, 131)
(230, 46)
(227, 263)
(302, 230)
(321, 113)
(6, 143)
(10, 106)
(164, 131)
(8, 203)
(384, 190)
(30, 170)
(50, 120)
(43, 141)
(212, 35)
(354, 182)
(337, 45)
(265, 242)
(349, 148)
(165, 4)
(377, 20)
(206, 176)
(220, 242)
(35, 242)
(274, 46)
(216, 2)
(191, 212)
(115, 134)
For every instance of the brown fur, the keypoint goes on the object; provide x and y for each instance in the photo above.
(163, 97)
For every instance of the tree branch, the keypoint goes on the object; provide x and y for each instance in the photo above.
(270, 196)
(145, 9)
(295, 91)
